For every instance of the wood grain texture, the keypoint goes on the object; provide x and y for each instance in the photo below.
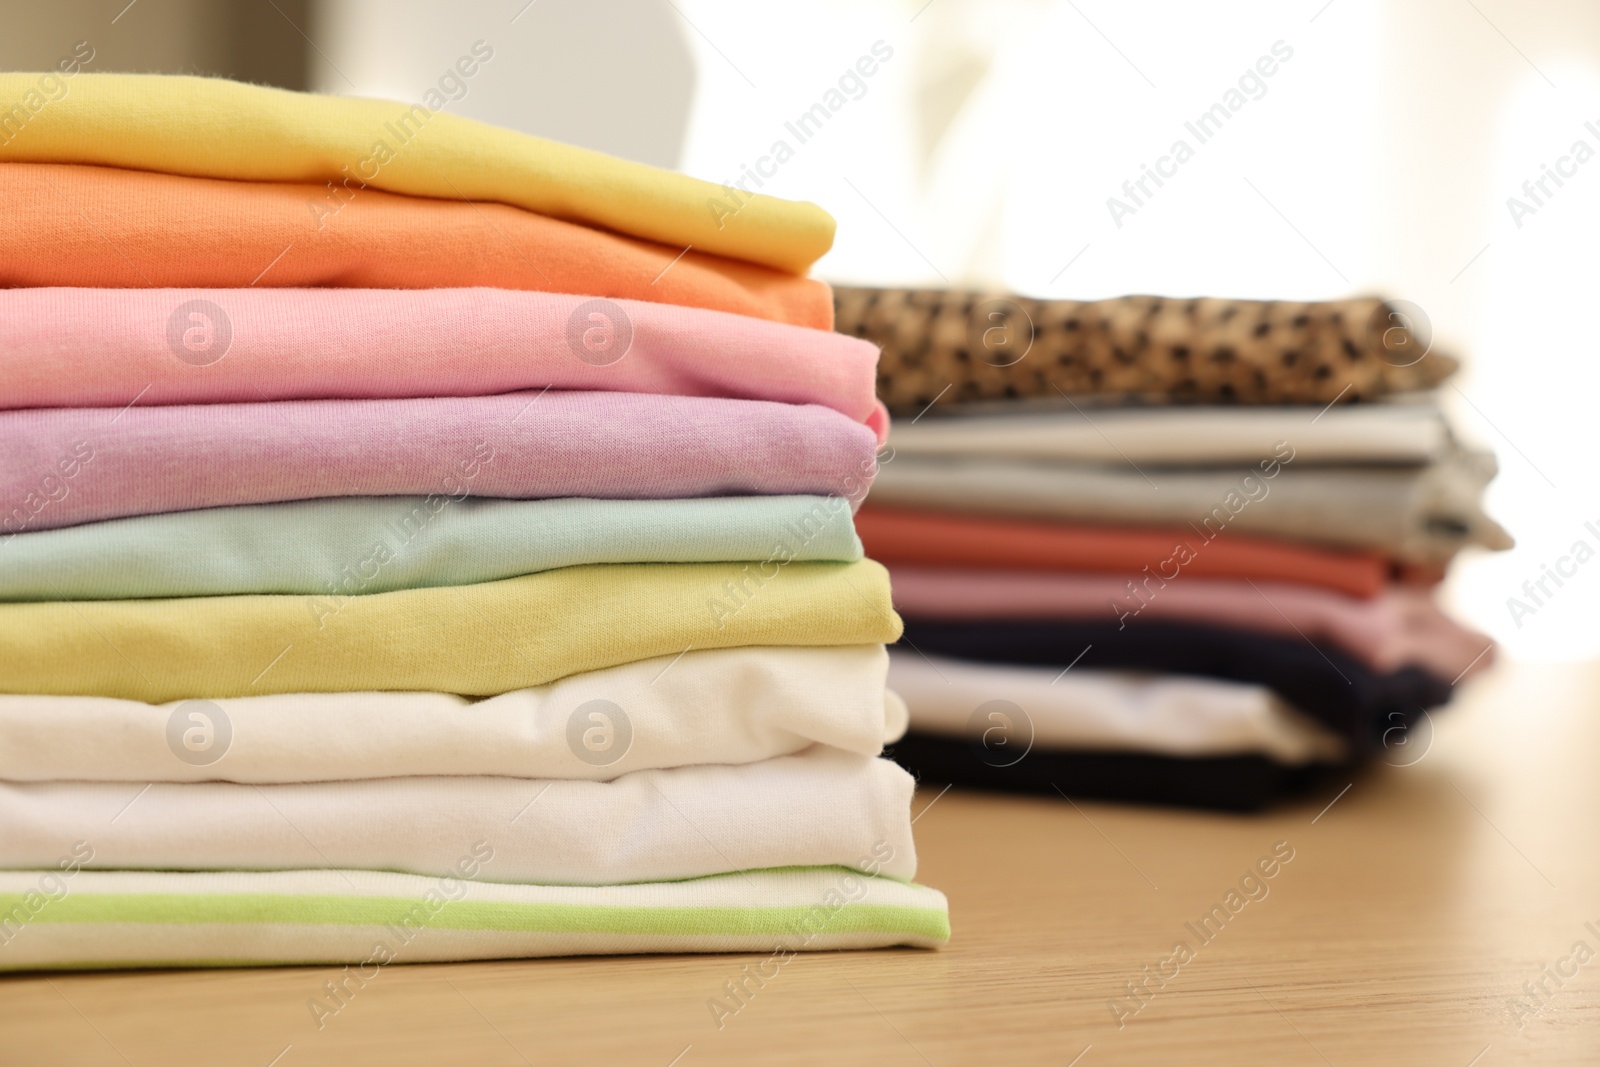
(1413, 910)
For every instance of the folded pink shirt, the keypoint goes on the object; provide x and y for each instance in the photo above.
(64, 466)
(64, 347)
(1398, 627)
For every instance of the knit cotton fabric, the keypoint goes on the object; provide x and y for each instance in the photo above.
(215, 128)
(63, 347)
(817, 808)
(76, 919)
(348, 546)
(178, 232)
(474, 640)
(728, 706)
(64, 466)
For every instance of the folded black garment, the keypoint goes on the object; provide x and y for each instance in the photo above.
(1349, 697)
(1221, 783)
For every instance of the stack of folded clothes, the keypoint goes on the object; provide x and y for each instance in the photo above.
(465, 570)
(1148, 549)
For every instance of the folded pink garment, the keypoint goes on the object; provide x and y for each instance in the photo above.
(1398, 627)
(64, 466)
(63, 347)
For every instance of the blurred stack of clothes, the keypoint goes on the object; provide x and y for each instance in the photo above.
(1151, 549)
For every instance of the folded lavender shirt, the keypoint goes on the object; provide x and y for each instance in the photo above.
(64, 466)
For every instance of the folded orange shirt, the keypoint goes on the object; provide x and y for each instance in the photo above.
(126, 229)
(903, 535)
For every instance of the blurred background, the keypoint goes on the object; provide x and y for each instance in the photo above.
(1387, 153)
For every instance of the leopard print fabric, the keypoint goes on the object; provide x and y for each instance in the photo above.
(958, 347)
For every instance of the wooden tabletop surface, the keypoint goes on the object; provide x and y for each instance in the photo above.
(1402, 931)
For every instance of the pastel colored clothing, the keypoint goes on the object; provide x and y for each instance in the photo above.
(213, 128)
(1396, 628)
(103, 347)
(63, 466)
(129, 229)
(727, 705)
(936, 538)
(368, 919)
(352, 546)
(476, 640)
(818, 808)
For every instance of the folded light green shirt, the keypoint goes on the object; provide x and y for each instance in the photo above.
(358, 545)
(74, 919)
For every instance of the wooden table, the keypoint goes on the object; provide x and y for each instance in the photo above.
(1417, 904)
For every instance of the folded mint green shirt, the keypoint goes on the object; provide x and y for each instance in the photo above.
(358, 545)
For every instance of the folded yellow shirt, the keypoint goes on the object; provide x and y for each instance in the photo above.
(213, 128)
(476, 640)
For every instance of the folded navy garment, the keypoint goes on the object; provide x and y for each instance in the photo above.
(1355, 701)
(1223, 783)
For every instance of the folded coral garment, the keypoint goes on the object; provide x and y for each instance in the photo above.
(1417, 514)
(955, 348)
(1397, 433)
(478, 640)
(215, 128)
(1342, 693)
(127, 229)
(1397, 627)
(938, 538)
(369, 919)
(334, 548)
(1006, 712)
(730, 706)
(818, 808)
(64, 466)
(103, 347)
(1223, 783)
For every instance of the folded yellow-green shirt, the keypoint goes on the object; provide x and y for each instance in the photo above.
(476, 640)
(213, 128)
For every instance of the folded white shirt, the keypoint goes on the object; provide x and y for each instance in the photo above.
(820, 807)
(735, 705)
(1107, 710)
(1398, 432)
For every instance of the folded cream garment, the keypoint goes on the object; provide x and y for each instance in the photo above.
(1400, 626)
(64, 347)
(1170, 715)
(1418, 514)
(478, 640)
(1398, 433)
(88, 919)
(214, 128)
(736, 705)
(63, 466)
(818, 808)
(349, 546)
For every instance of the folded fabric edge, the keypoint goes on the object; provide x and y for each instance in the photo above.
(1236, 783)
(494, 163)
(168, 919)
